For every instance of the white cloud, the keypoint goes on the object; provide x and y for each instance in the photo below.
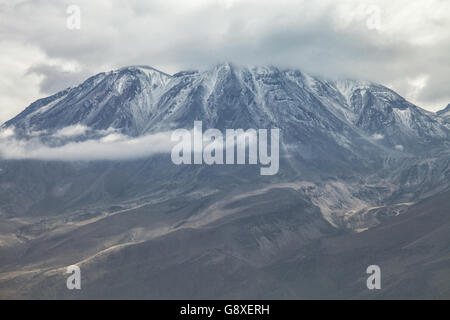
(6, 133)
(416, 85)
(71, 131)
(111, 147)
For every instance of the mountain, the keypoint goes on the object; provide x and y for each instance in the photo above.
(356, 159)
(119, 99)
(139, 100)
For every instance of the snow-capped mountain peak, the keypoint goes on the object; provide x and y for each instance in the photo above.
(137, 100)
(120, 99)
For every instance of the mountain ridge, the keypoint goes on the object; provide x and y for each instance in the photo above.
(446, 110)
(137, 100)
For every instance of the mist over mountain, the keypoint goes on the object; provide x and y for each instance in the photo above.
(356, 159)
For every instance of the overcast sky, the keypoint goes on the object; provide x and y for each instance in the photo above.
(404, 44)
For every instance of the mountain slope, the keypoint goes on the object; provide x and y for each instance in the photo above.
(249, 258)
(445, 115)
(118, 99)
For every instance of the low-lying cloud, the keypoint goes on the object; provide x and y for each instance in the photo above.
(72, 131)
(113, 146)
(81, 143)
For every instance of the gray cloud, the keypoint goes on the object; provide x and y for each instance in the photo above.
(403, 44)
(55, 78)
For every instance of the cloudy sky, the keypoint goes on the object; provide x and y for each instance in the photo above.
(404, 44)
